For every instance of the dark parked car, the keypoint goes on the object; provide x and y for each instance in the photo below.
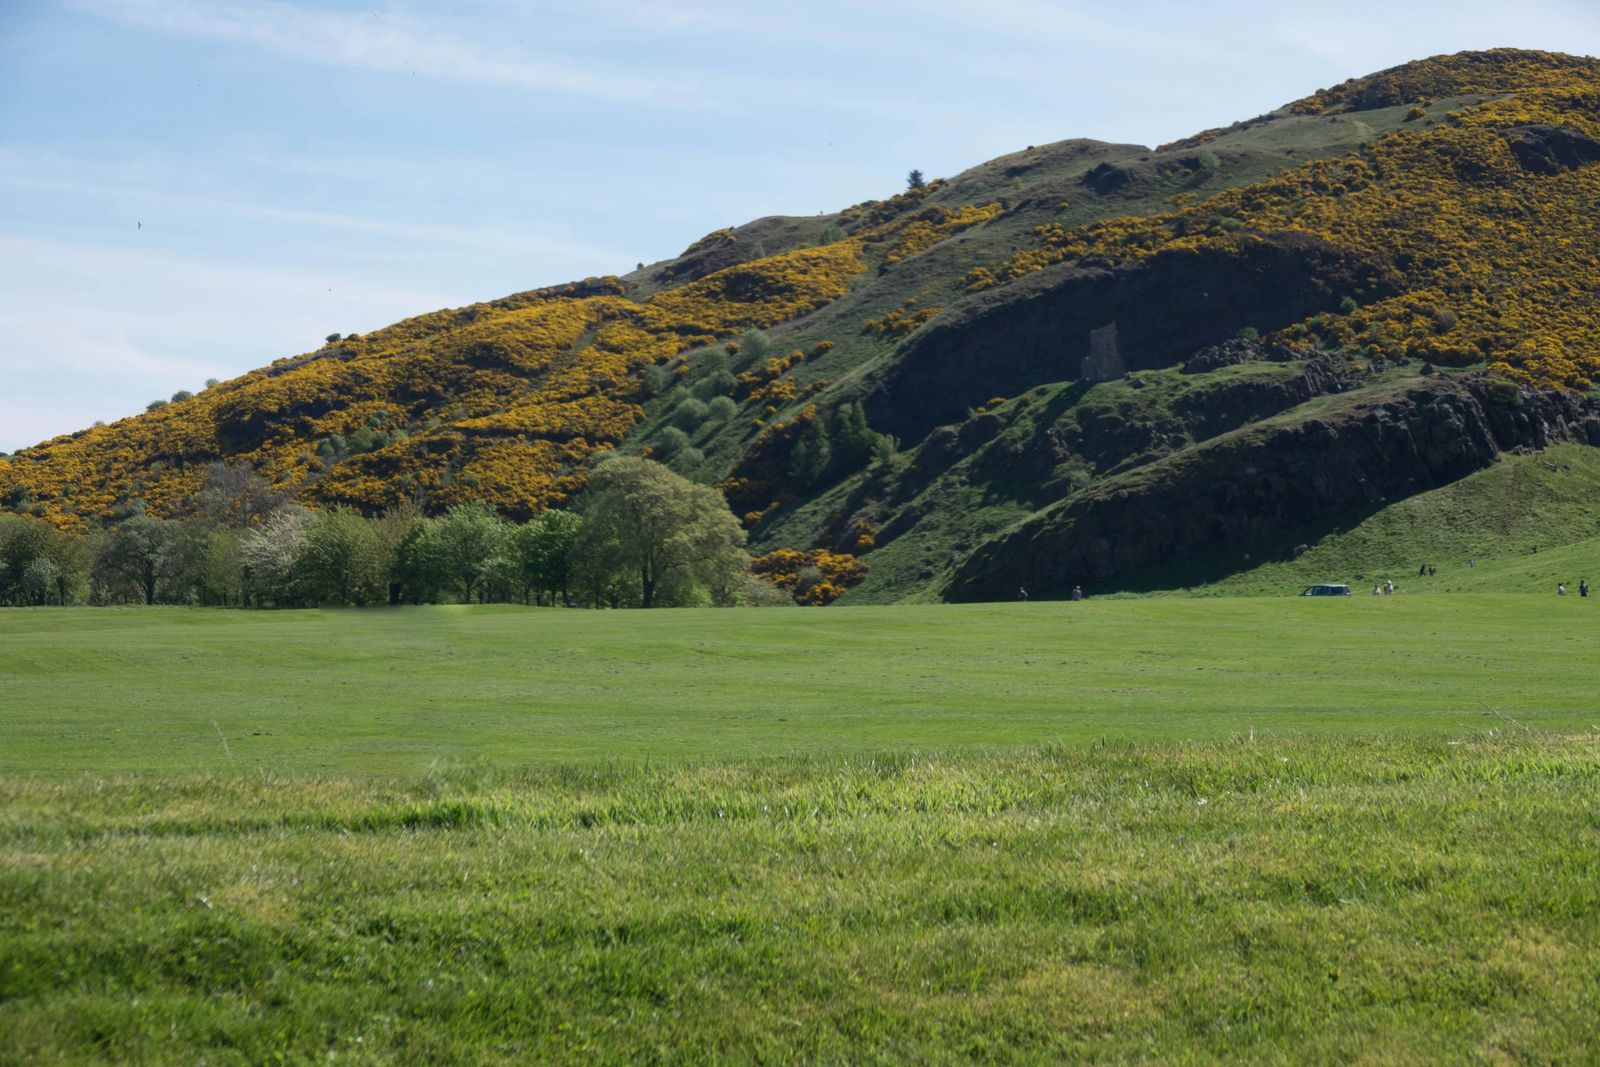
(1326, 590)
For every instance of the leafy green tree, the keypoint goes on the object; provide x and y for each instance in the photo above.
(472, 545)
(915, 180)
(209, 570)
(22, 541)
(141, 552)
(543, 549)
(393, 529)
(419, 571)
(40, 579)
(853, 442)
(671, 441)
(812, 455)
(73, 556)
(716, 385)
(342, 560)
(673, 535)
(689, 414)
(656, 379)
(754, 346)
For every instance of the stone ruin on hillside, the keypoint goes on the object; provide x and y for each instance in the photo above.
(1104, 361)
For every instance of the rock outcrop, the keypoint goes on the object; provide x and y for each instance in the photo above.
(1165, 309)
(1271, 483)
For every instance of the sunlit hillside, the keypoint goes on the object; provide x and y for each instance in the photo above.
(911, 378)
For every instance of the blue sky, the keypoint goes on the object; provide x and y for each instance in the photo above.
(192, 188)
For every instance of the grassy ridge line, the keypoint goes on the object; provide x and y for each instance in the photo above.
(395, 692)
(1496, 517)
(1379, 900)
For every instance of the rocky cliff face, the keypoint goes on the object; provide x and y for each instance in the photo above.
(1269, 484)
(1050, 327)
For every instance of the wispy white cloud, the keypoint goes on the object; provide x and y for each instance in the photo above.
(93, 330)
(136, 184)
(386, 41)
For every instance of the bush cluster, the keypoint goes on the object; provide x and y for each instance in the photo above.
(240, 545)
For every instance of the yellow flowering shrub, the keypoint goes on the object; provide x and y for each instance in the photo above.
(901, 320)
(834, 573)
(1492, 260)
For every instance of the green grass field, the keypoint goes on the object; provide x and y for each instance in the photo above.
(1158, 830)
(173, 691)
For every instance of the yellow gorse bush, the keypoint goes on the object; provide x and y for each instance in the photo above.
(503, 401)
(1493, 261)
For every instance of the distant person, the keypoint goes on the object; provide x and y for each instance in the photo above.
(1561, 589)
(1422, 571)
(1022, 594)
(1583, 587)
(1377, 590)
(1431, 570)
(1077, 592)
(1388, 587)
(1472, 564)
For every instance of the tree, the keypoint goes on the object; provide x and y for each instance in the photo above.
(394, 529)
(915, 180)
(854, 442)
(673, 535)
(21, 542)
(236, 494)
(341, 561)
(208, 569)
(754, 346)
(181, 395)
(472, 541)
(543, 551)
(419, 570)
(141, 552)
(270, 554)
(812, 455)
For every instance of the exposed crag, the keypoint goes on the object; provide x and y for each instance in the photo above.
(1192, 516)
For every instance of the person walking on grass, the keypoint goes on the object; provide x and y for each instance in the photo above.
(1583, 587)
(1022, 594)
(1561, 589)
(1388, 587)
(1077, 592)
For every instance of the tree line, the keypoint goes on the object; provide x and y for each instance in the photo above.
(639, 536)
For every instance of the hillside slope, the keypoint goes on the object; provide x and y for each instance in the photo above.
(1053, 342)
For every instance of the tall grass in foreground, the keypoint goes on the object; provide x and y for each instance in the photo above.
(1388, 900)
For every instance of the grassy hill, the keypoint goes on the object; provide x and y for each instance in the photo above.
(1496, 519)
(1036, 336)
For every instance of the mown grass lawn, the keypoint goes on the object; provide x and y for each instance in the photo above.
(1139, 830)
(399, 692)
